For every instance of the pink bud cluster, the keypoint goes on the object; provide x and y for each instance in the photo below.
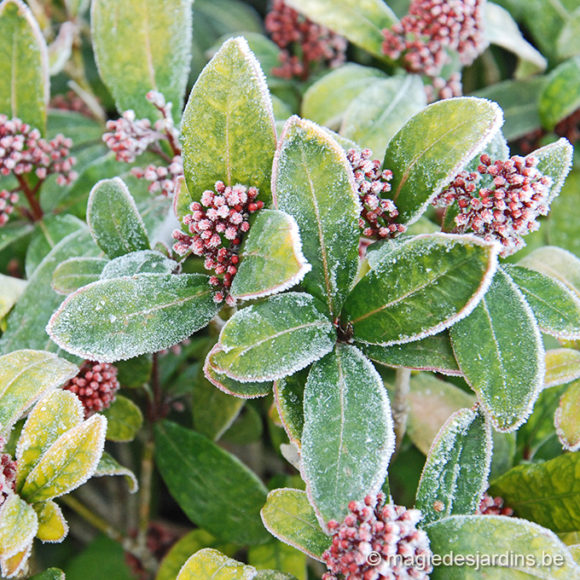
(7, 473)
(70, 102)
(163, 179)
(377, 214)
(8, 199)
(226, 218)
(376, 542)
(95, 386)
(421, 41)
(493, 506)
(128, 137)
(508, 209)
(24, 151)
(302, 41)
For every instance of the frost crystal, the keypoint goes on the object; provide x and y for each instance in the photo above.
(505, 211)
(298, 35)
(493, 506)
(378, 542)
(377, 215)
(226, 218)
(95, 386)
(423, 39)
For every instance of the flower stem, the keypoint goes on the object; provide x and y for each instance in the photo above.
(37, 212)
(401, 404)
(145, 493)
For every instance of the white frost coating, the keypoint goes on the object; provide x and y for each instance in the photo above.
(219, 564)
(152, 262)
(21, 566)
(117, 469)
(295, 440)
(12, 547)
(567, 157)
(471, 304)
(58, 512)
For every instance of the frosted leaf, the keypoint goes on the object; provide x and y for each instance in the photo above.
(75, 273)
(210, 563)
(18, 526)
(562, 366)
(10, 291)
(52, 526)
(566, 418)
(140, 262)
(108, 466)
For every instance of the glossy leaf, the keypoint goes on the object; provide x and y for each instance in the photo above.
(290, 564)
(435, 145)
(69, 462)
(271, 257)
(555, 161)
(555, 307)
(289, 517)
(312, 181)
(566, 418)
(547, 493)
(213, 488)
(114, 219)
(162, 30)
(140, 262)
(375, 116)
(109, 466)
(326, 100)
(562, 366)
(419, 287)
(469, 536)
(10, 291)
(289, 400)
(455, 474)
(560, 96)
(210, 563)
(360, 22)
(25, 375)
(52, 527)
(24, 65)
(19, 526)
(348, 437)
(75, 273)
(54, 415)
(124, 419)
(433, 353)
(274, 338)
(125, 317)
(500, 352)
(228, 124)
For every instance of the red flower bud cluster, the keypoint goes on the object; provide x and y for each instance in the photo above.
(376, 542)
(302, 41)
(128, 138)
(95, 386)
(226, 218)
(505, 211)
(163, 179)
(377, 214)
(493, 506)
(8, 199)
(7, 473)
(70, 102)
(423, 39)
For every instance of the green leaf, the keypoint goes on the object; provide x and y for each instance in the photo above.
(555, 161)
(431, 403)
(274, 338)
(566, 418)
(433, 147)
(25, 375)
(52, 527)
(218, 378)
(289, 517)
(312, 181)
(348, 437)
(10, 291)
(568, 43)
(75, 273)
(479, 545)
(24, 68)
(69, 462)
(547, 493)
(561, 228)
(115, 223)
(140, 262)
(419, 287)
(360, 22)
(500, 352)
(455, 474)
(326, 100)
(124, 419)
(501, 30)
(289, 400)
(271, 257)
(228, 124)
(556, 308)
(562, 366)
(125, 317)
(557, 263)
(213, 488)
(433, 353)
(49, 574)
(109, 466)
(280, 557)
(162, 31)
(210, 563)
(54, 415)
(134, 372)
(374, 117)
(561, 95)
(12, 232)
(19, 526)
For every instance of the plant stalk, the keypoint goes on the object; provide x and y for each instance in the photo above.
(401, 404)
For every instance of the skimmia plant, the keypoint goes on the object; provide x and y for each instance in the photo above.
(304, 274)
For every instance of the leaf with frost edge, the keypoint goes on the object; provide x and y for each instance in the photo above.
(56, 512)
(108, 466)
(472, 302)
(222, 561)
(57, 277)
(304, 266)
(540, 368)
(131, 264)
(572, 392)
(14, 547)
(551, 379)
(456, 427)
(567, 156)
(293, 436)
(70, 438)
